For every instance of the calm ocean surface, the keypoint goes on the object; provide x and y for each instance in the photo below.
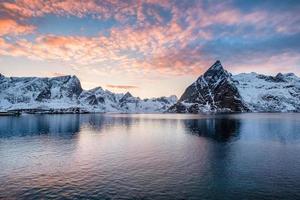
(150, 156)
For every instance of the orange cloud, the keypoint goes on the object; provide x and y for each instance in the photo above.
(11, 27)
(197, 15)
(122, 11)
(98, 9)
(153, 49)
(164, 48)
(123, 86)
(57, 74)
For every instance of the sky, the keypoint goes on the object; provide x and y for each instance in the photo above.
(150, 48)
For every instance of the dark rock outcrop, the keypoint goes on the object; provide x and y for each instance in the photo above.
(72, 87)
(127, 98)
(214, 91)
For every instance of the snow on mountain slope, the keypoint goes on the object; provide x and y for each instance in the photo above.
(99, 100)
(261, 93)
(214, 91)
(41, 93)
(64, 94)
(128, 103)
(219, 91)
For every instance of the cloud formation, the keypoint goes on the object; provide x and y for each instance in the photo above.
(123, 86)
(167, 37)
(11, 27)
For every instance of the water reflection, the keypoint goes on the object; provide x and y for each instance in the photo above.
(150, 156)
(64, 125)
(219, 129)
(282, 128)
(67, 125)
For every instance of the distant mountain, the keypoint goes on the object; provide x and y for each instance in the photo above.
(280, 93)
(219, 91)
(64, 94)
(215, 91)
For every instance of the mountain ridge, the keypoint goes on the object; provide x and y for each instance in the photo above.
(219, 91)
(64, 94)
(216, 90)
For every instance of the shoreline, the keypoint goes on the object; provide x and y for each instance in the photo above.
(59, 112)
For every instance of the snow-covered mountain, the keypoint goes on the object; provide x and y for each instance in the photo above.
(280, 93)
(215, 91)
(65, 94)
(219, 91)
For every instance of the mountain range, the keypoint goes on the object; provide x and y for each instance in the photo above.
(219, 91)
(64, 94)
(216, 90)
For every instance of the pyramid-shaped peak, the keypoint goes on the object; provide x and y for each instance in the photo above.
(215, 73)
(96, 89)
(127, 95)
(216, 66)
(279, 75)
(74, 77)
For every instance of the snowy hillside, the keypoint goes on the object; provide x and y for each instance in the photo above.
(219, 91)
(65, 94)
(216, 90)
(261, 93)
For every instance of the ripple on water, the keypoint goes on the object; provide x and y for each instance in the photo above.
(245, 156)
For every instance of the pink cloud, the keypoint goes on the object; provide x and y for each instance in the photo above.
(123, 86)
(11, 27)
(154, 43)
(284, 62)
(160, 47)
(98, 9)
(57, 74)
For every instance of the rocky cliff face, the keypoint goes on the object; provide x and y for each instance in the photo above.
(28, 90)
(214, 91)
(65, 94)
